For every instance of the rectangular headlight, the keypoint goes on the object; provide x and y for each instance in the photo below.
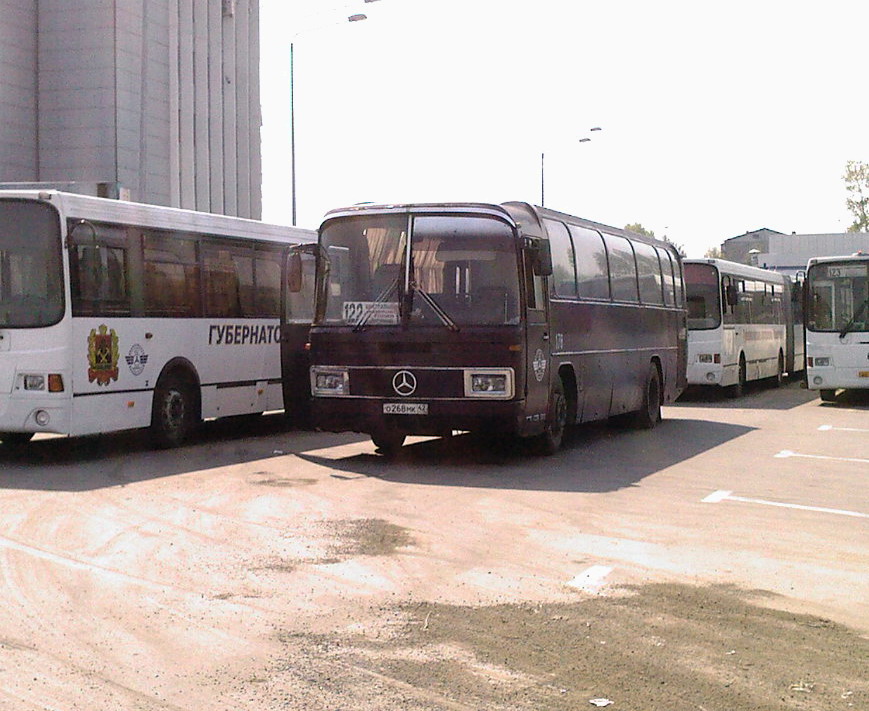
(332, 381)
(823, 362)
(704, 357)
(489, 383)
(34, 382)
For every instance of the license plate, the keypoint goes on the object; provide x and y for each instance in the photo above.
(863, 374)
(405, 408)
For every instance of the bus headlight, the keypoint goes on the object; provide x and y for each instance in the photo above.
(331, 381)
(489, 383)
(822, 362)
(34, 382)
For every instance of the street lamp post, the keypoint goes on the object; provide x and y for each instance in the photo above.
(584, 139)
(351, 18)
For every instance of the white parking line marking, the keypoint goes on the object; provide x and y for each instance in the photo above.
(591, 579)
(785, 453)
(828, 428)
(721, 495)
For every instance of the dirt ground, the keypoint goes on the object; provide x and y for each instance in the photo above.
(659, 647)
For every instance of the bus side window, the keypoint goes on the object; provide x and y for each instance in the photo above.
(99, 271)
(534, 296)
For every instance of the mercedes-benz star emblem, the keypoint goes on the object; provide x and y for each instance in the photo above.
(404, 383)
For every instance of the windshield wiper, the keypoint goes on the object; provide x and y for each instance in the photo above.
(372, 307)
(436, 307)
(857, 314)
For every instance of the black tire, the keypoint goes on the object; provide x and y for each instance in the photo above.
(173, 416)
(780, 371)
(15, 439)
(549, 442)
(388, 441)
(828, 395)
(649, 415)
(738, 390)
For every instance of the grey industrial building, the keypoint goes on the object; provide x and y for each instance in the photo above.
(789, 253)
(151, 100)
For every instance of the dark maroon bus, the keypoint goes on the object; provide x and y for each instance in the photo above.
(506, 319)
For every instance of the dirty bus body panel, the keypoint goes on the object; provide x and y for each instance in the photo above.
(439, 317)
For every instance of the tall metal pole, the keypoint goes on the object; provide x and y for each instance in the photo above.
(542, 203)
(292, 139)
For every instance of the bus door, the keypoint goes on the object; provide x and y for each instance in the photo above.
(296, 315)
(537, 342)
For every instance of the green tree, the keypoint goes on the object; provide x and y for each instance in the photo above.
(856, 179)
(713, 253)
(639, 229)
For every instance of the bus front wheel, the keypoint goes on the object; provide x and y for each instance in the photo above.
(173, 415)
(738, 390)
(549, 442)
(649, 414)
(388, 441)
(828, 395)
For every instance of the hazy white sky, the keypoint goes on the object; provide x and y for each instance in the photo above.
(716, 118)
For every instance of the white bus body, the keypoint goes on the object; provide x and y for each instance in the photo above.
(837, 324)
(741, 324)
(101, 325)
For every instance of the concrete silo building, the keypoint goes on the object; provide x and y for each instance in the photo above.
(155, 101)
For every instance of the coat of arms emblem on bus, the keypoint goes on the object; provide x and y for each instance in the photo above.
(103, 355)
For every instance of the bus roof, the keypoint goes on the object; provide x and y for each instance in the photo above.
(519, 214)
(742, 270)
(856, 257)
(74, 205)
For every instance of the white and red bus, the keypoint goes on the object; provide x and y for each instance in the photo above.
(116, 315)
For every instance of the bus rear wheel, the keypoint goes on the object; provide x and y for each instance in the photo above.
(780, 370)
(649, 414)
(173, 415)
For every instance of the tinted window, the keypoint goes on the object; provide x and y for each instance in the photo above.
(704, 293)
(591, 264)
(171, 275)
(623, 268)
(649, 274)
(31, 271)
(563, 278)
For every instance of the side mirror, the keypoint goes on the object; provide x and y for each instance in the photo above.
(540, 256)
(294, 273)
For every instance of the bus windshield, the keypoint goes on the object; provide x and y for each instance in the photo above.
(31, 269)
(704, 296)
(460, 270)
(838, 299)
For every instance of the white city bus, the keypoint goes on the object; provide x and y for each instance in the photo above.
(837, 324)
(743, 324)
(117, 315)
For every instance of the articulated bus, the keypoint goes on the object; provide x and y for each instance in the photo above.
(116, 315)
(837, 324)
(504, 319)
(744, 323)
